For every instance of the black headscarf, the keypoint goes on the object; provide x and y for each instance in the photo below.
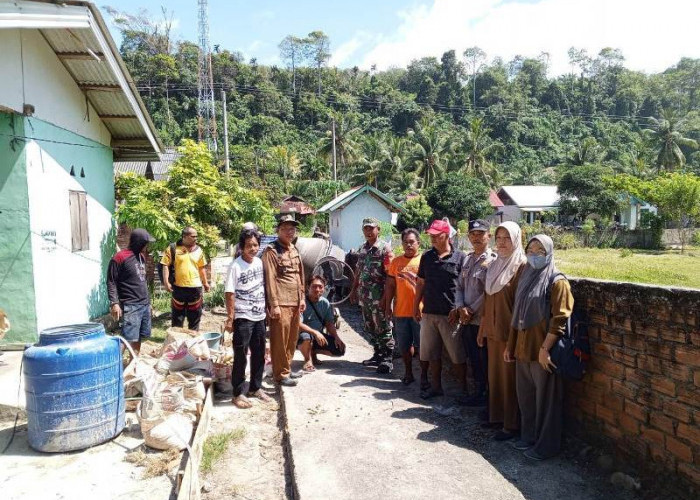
(139, 239)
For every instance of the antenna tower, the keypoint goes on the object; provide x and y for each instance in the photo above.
(205, 82)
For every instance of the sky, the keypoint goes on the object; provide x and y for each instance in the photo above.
(652, 34)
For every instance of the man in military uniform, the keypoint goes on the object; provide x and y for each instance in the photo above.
(284, 294)
(370, 277)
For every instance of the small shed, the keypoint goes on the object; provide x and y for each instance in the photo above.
(527, 202)
(296, 206)
(630, 213)
(347, 211)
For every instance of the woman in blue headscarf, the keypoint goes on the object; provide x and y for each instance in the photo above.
(543, 303)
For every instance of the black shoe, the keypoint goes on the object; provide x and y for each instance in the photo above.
(385, 367)
(373, 361)
(287, 382)
(297, 374)
(504, 435)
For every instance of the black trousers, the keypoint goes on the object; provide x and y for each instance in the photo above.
(187, 303)
(248, 334)
(478, 357)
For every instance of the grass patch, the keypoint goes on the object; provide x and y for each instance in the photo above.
(637, 266)
(215, 446)
(155, 463)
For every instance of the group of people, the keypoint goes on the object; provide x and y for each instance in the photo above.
(502, 309)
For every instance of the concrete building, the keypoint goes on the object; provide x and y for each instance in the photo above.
(347, 211)
(68, 109)
(527, 203)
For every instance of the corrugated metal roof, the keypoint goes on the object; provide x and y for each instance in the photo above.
(532, 196)
(350, 194)
(160, 168)
(80, 39)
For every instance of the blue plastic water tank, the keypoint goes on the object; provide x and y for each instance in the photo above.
(74, 387)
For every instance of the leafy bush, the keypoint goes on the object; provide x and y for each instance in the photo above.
(566, 241)
(216, 297)
(696, 239)
(626, 252)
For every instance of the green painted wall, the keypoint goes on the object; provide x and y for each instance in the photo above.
(16, 274)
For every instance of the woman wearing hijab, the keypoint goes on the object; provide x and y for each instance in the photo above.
(543, 303)
(495, 329)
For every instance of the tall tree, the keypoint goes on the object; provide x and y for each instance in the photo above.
(431, 144)
(293, 52)
(479, 149)
(319, 51)
(474, 62)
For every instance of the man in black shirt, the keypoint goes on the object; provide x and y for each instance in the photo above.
(438, 272)
(128, 292)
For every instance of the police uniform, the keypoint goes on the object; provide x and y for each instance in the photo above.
(372, 264)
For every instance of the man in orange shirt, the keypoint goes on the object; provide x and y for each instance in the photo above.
(401, 290)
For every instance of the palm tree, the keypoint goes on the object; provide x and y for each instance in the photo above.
(345, 142)
(398, 179)
(430, 146)
(668, 137)
(478, 148)
(285, 162)
(370, 164)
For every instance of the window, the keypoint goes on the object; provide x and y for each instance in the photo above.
(78, 221)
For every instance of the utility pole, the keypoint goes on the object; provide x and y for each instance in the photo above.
(226, 164)
(335, 170)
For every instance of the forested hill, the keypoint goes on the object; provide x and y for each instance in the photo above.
(402, 130)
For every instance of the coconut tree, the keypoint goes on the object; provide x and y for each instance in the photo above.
(479, 148)
(346, 132)
(430, 147)
(667, 136)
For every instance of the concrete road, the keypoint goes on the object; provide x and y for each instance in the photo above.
(356, 434)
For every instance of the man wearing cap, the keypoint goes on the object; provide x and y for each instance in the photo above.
(127, 288)
(368, 290)
(438, 273)
(468, 301)
(284, 293)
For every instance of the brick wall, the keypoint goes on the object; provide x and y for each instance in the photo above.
(642, 392)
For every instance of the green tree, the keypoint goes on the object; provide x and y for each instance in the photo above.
(459, 197)
(416, 214)
(431, 145)
(293, 51)
(319, 52)
(584, 192)
(474, 62)
(669, 140)
(479, 149)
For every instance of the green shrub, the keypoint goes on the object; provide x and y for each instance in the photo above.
(566, 241)
(626, 252)
(216, 297)
(696, 239)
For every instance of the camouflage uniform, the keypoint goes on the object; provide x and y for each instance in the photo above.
(371, 270)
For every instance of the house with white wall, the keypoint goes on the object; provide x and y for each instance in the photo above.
(68, 109)
(527, 203)
(347, 211)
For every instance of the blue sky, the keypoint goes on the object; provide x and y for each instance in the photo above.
(651, 35)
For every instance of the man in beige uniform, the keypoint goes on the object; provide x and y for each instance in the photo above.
(284, 292)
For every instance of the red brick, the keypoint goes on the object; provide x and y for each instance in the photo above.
(690, 471)
(612, 368)
(613, 431)
(659, 455)
(661, 350)
(594, 393)
(636, 342)
(696, 417)
(661, 422)
(594, 333)
(601, 349)
(636, 411)
(636, 446)
(677, 411)
(676, 371)
(672, 333)
(587, 406)
(689, 396)
(625, 389)
(678, 315)
(623, 322)
(689, 432)
(601, 380)
(681, 450)
(664, 385)
(597, 318)
(651, 331)
(649, 398)
(629, 424)
(652, 435)
(696, 378)
(695, 338)
(649, 363)
(612, 338)
(627, 359)
(606, 414)
(636, 377)
(613, 402)
(688, 356)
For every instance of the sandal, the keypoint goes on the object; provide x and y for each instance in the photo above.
(309, 368)
(261, 395)
(242, 402)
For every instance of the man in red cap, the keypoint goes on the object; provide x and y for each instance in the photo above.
(438, 273)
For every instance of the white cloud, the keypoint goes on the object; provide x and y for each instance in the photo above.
(652, 35)
(348, 49)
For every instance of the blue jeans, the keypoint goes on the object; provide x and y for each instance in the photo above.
(136, 321)
(407, 332)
